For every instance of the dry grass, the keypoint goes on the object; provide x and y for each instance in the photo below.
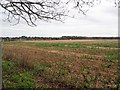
(64, 68)
(69, 41)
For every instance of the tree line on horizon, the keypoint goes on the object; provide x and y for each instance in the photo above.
(54, 38)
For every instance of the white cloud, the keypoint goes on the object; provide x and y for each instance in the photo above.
(101, 20)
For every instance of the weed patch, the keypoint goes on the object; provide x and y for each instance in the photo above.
(16, 77)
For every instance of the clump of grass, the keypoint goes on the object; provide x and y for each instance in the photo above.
(112, 58)
(16, 77)
(118, 82)
(87, 57)
(42, 67)
(106, 65)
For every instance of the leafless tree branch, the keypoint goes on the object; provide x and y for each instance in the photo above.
(46, 10)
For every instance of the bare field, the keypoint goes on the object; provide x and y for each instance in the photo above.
(70, 64)
(69, 41)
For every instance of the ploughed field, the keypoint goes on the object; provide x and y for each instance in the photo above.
(61, 64)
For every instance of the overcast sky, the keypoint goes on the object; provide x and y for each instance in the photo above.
(101, 20)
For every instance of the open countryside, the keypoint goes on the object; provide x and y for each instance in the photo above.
(61, 64)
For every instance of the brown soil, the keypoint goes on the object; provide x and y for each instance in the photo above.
(69, 41)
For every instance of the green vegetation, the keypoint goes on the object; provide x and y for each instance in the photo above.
(112, 58)
(16, 77)
(66, 45)
(60, 65)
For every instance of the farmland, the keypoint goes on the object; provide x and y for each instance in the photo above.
(61, 64)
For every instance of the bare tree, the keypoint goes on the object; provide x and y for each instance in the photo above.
(32, 10)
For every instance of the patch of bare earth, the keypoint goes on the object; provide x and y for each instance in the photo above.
(69, 41)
